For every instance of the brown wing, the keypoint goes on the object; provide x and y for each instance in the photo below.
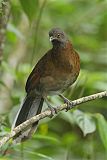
(38, 71)
(32, 80)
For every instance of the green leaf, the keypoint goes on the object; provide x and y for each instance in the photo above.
(67, 116)
(40, 155)
(84, 121)
(102, 127)
(29, 8)
(48, 138)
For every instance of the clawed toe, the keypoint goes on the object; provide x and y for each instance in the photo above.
(53, 111)
(69, 103)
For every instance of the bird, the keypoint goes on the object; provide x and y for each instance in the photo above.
(57, 70)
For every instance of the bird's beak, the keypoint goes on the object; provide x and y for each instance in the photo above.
(52, 38)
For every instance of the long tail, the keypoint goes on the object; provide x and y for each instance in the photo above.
(30, 107)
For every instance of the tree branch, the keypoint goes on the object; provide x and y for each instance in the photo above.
(47, 113)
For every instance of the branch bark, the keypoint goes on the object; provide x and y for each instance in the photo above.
(47, 113)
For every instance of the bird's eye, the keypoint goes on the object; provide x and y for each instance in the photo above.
(58, 35)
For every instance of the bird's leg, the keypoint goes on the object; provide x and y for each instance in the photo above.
(67, 101)
(52, 109)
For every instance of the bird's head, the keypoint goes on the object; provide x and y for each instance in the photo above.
(57, 37)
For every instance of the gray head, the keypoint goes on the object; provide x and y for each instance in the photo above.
(57, 37)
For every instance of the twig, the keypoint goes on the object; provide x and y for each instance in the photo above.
(47, 113)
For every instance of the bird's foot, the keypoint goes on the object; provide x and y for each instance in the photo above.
(67, 101)
(52, 109)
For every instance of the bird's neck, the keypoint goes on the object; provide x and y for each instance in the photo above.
(62, 54)
(61, 50)
(60, 45)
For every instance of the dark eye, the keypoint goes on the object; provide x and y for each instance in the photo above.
(58, 35)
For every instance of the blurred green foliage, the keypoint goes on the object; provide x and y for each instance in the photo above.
(80, 134)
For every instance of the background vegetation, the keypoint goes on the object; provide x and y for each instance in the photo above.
(80, 134)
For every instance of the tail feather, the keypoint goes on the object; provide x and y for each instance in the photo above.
(30, 107)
